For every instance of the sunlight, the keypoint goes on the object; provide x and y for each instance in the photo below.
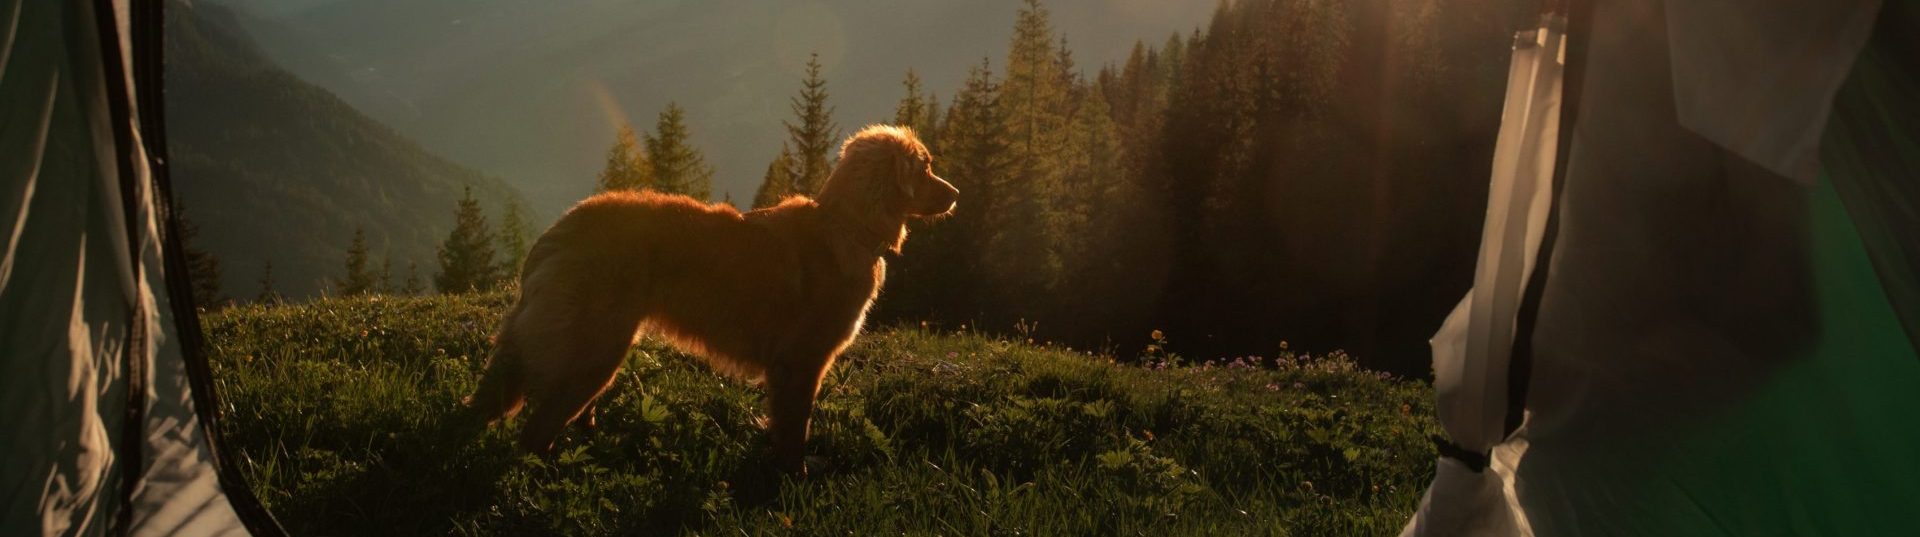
(610, 108)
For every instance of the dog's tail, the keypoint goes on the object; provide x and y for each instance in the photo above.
(503, 388)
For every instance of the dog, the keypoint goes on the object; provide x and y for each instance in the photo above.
(772, 295)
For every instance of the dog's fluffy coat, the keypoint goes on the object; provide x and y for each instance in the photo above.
(773, 294)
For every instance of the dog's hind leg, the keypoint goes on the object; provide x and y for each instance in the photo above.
(582, 366)
(502, 388)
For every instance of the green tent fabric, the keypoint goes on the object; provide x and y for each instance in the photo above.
(1724, 342)
(1872, 154)
(110, 424)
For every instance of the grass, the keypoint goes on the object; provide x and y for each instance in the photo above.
(345, 415)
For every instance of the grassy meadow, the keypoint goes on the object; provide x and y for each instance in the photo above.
(344, 413)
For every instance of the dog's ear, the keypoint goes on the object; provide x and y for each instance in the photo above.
(906, 176)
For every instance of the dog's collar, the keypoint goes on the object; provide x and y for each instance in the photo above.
(866, 234)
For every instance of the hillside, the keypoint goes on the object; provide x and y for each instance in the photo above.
(345, 413)
(275, 169)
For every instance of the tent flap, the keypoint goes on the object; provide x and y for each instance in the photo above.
(113, 423)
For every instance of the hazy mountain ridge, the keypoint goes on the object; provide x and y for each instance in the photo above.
(534, 91)
(274, 169)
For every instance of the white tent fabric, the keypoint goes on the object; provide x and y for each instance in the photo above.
(1518, 200)
(1472, 349)
(106, 433)
(1679, 294)
(1757, 77)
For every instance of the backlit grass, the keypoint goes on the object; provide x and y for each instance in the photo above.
(345, 414)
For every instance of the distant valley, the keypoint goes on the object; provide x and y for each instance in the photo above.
(273, 169)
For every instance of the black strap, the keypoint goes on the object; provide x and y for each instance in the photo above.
(1520, 363)
(1474, 460)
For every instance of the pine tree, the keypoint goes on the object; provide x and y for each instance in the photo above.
(944, 272)
(202, 267)
(466, 258)
(912, 109)
(1033, 92)
(678, 168)
(1069, 74)
(930, 133)
(268, 295)
(977, 148)
(386, 275)
(627, 167)
(919, 111)
(814, 137)
(413, 285)
(1173, 57)
(1021, 251)
(360, 278)
(778, 183)
(514, 233)
(1094, 172)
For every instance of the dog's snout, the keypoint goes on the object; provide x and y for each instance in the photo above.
(947, 197)
(947, 189)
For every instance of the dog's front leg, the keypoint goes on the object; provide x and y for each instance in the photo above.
(790, 394)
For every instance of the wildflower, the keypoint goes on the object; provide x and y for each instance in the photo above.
(1159, 336)
(1273, 386)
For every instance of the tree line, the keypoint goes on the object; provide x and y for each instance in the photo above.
(1296, 170)
(474, 256)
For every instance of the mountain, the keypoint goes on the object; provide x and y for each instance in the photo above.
(534, 91)
(274, 169)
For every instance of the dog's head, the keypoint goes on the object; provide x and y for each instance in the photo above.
(888, 167)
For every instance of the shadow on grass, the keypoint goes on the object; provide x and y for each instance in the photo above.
(417, 483)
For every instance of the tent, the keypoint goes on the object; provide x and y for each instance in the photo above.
(1695, 308)
(110, 426)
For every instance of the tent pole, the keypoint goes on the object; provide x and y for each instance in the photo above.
(1579, 16)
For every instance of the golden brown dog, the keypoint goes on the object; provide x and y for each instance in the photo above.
(773, 294)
